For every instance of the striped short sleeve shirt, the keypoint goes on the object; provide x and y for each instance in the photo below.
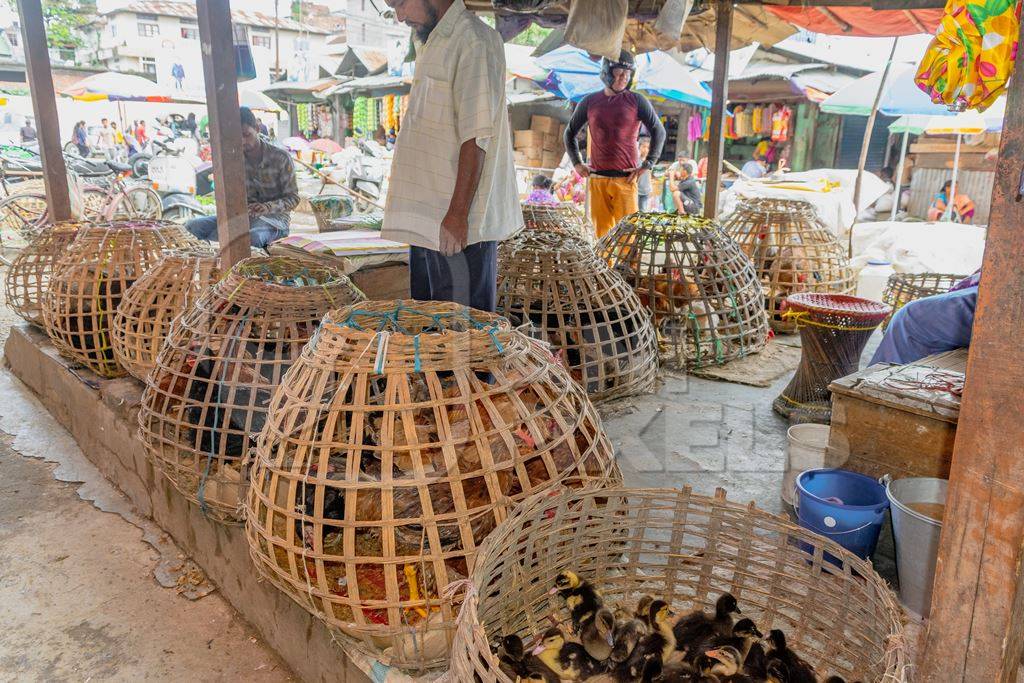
(458, 94)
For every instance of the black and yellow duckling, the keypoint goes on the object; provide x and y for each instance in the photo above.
(796, 669)
(755, 664)
(643, 609)
(547, 660)
(581, 598)
(652, 652)
(511, 655)
(726, 663)
(597, 634)
(744, 635)
(697, 627)
(628, 633)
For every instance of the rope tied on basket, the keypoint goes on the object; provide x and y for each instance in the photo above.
(389, 322)
(804, 318)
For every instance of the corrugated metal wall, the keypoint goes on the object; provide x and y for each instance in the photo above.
(925, 183)
(853, 136)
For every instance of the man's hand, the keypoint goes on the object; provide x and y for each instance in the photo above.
(454, 233)
(583, 170)
(635, 173)
(257, 209)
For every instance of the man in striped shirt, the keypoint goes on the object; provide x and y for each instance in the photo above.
(452, 195)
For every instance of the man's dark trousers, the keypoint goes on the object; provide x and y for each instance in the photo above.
(469, 278)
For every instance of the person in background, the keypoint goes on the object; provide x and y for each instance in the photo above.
(686, 195)
(140, 134)
(643, 183)
(120, 147)
(271, 190)
(757, 167)
(541, 191)
(931, 325)
(613, 117)
(105, 138)
(453, 192)
(28, 133)
(264, 131)
(80, 137)
(962, 210)
(190, 126)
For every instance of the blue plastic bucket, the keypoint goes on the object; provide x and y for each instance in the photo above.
(847, 507)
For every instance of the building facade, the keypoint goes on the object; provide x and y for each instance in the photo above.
(161, 39)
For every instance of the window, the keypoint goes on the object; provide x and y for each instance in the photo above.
(148, 29)
(149, 65)
(362, 31)
(189, 33)
(261, 41)
(14, 34)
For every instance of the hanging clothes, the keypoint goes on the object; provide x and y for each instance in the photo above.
(780, 124)
(972, 54)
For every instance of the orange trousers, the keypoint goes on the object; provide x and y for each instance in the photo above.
(611, 200)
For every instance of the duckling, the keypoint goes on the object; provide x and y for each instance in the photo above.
(546, 659)
(652, 652)
(597, 634)
(697, 626)
(776, 672)
(744, 634)
(755, 664)
(797, 670)
(580, 596)
(573, 657)
(727, 664)
(628, 632)
(511, 656)
(643, 608)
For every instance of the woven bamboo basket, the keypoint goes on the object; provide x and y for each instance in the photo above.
(792, 251)
(144, 316)
(393, 447)
(562, 219)
(207, 397)
(28, 277)
(701, 287)
(686, 549)
(89, 282)
(902, 288)
(565, 295)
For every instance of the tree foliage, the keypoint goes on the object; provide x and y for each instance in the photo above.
(65, 20)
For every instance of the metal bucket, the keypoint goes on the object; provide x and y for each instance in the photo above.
(917, 537)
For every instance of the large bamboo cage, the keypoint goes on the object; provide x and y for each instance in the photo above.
(565, 295)
(144, 317)
(792, 251)
(405, 433)
(90, 280)
(28, 277)
(902, 288)
(686, 549)
(562, 219)
(703, 291)
(207, 398)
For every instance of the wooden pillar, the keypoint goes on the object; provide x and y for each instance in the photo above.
(976, 627)
(218, 50)
(44, 105)
(719, 97)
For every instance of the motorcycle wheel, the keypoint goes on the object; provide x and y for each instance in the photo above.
(140, 164)
(180, 214)
(139, 202)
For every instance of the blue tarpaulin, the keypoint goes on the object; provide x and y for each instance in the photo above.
(573, 74)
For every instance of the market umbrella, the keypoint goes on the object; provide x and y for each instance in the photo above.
(908, 124)
(965, 123)
(325, 145)
(573, 74)
(900, 95)
(118, 87)
(256, 100)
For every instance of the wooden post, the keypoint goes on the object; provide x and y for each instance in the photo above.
(719, 97)
(976, 626)
(44, 105)
(218, 49)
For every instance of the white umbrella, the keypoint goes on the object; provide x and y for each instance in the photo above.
(256, 100)
(965, 123)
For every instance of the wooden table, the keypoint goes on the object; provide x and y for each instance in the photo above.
(898, 419)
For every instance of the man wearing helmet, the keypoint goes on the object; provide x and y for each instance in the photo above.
(613, 116)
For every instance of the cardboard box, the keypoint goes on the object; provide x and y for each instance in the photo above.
(544, 124)
(551, 159)
(552, 143)
(525, 139)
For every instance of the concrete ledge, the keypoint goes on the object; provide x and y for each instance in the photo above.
(102, 417)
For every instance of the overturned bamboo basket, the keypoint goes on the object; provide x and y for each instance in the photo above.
(90, 280)
(28, 277)
(687, 549)
(561, 219)
(562, 293)
(405, 433)
(902, 288)
(144, 316)
(207, 397)
(702, 289)
(792, 251)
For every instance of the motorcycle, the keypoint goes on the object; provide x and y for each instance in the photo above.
(174, 177)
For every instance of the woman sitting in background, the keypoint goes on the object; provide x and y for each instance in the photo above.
(963, 207)
(541, 191)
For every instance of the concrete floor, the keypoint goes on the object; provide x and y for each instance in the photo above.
(80, 582)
